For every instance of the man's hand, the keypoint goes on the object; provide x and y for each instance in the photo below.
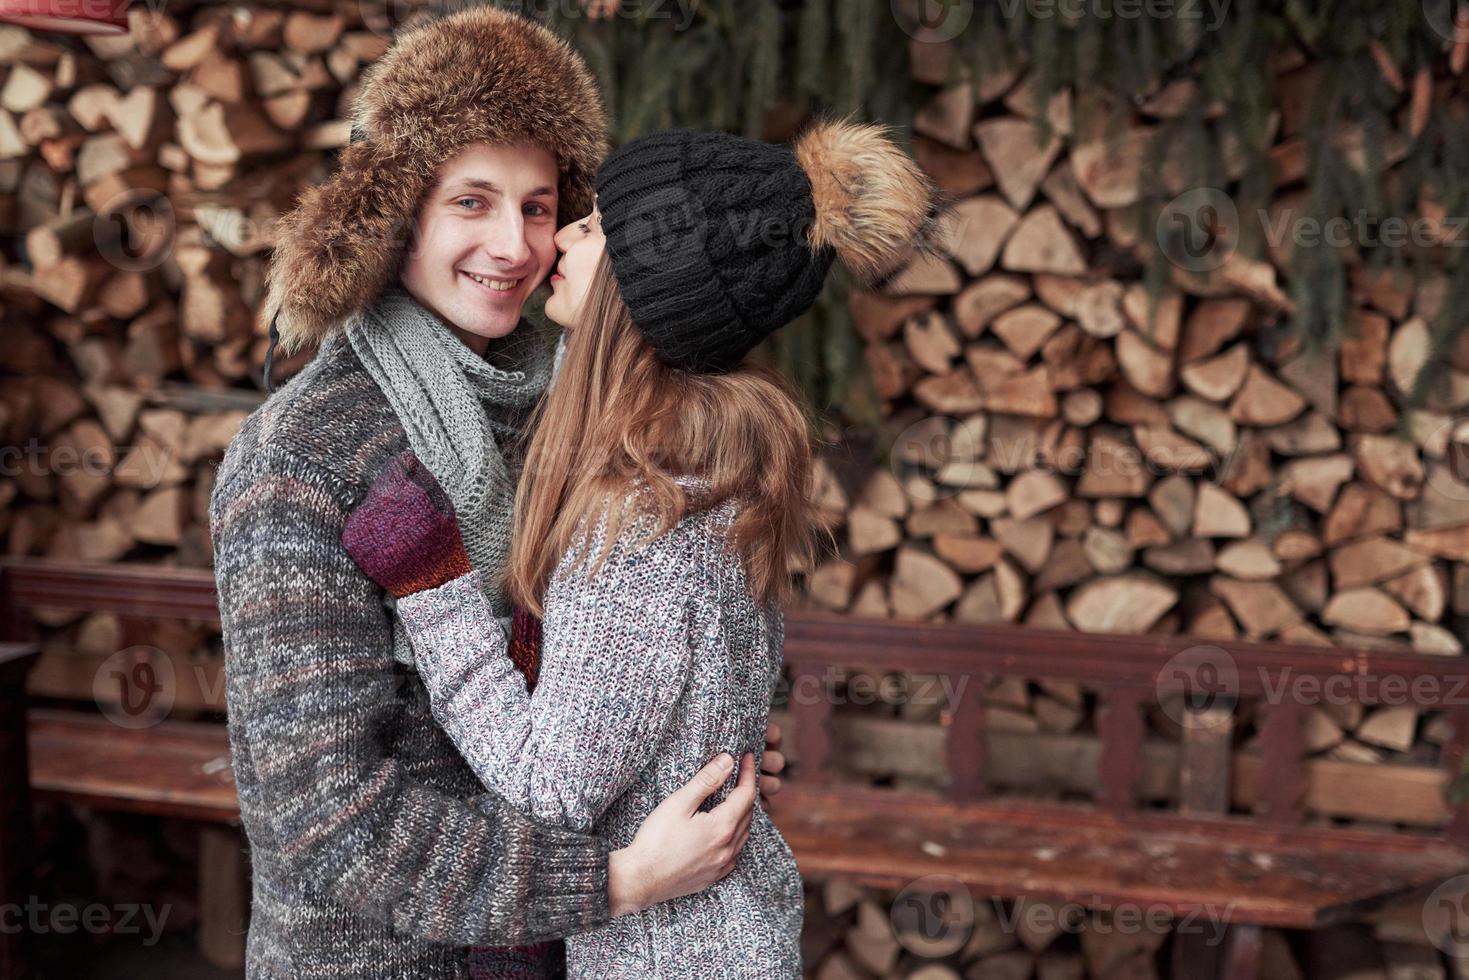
(771, 763)
(679, 850)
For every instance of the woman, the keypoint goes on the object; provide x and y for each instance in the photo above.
(664, 494)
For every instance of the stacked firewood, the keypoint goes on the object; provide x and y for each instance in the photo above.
(1072, 449)
(142, 176)
(855, 933)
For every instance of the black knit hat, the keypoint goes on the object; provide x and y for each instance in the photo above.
(716, 241)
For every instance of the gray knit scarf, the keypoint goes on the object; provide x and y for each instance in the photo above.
(460, 413)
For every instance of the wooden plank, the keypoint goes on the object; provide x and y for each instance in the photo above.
(1301, 879)
(1121, 766)
(1453, 762)
(964, 747)
(1102, 660)
(881, 747)
(197, 685)
(175, 769)
(143, 591)
(1203, 765)
(1283, 748)
(810, 711)
(815, 638)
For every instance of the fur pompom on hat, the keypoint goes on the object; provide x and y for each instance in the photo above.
(481, 75)
(717, 241)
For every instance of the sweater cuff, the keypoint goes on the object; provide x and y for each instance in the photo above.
(422, 606)
(567, 881)
(451, 622)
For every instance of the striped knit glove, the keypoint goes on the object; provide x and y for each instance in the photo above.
(404, 534)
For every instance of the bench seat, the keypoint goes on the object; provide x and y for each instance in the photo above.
(1210, 868)
(173, 769)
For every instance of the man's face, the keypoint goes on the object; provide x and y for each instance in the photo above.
(485, 238)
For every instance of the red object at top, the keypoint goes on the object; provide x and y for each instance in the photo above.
(67, 16)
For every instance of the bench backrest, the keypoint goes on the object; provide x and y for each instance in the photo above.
(1127, 672)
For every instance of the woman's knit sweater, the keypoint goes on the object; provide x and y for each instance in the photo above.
(371, 857)
(650, 666)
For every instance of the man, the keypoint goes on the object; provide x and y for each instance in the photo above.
(373, 855)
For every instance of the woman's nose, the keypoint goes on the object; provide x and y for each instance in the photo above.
(562, 238)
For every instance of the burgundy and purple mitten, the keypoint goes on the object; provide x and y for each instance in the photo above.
(404, 535)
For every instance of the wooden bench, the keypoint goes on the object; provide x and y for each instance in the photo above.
(1265, 868)
(168, 769)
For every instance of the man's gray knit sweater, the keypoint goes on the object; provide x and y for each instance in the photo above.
(372, 855)
(650, 665)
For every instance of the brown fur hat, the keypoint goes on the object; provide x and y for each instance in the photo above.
(480, 75)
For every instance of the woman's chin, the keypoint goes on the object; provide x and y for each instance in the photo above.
(552, 310)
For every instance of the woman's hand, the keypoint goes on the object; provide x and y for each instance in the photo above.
(771, 763)
(678, 850)
(404, 535)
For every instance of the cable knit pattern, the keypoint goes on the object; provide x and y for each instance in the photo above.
(650, 667)
(371, 856)
(707, 237)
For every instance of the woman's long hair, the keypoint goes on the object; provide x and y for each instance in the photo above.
(617, 418)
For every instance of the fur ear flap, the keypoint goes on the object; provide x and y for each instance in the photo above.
(336, 250)
(873, 203)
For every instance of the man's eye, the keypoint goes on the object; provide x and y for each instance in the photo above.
(539, 210)
(471, 200)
